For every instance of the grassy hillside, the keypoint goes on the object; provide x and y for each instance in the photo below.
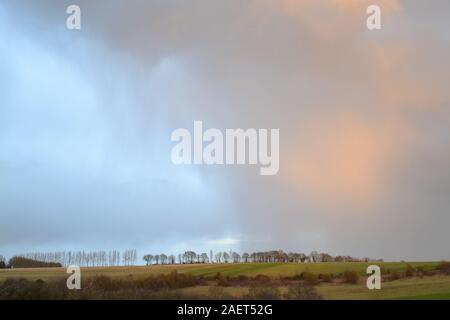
(249, 269)
(427, 287)
(435, 287)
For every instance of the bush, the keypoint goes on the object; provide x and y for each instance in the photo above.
(258, 292)
(23, 289)
(350, 277)
(395, 275)
(175, 280)
(165, 286)
(444, 267)
(172, 280)
(103, 283)
(410, 271)
(154, 283)
(302, 292)
(310, 278)
(297, 276)
(262, 278)
(223, 281)
(217, 276)
(327, 277)
(242, 278)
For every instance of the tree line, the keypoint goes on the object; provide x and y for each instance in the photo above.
(191, 257)
(129, 257)
(65, 258)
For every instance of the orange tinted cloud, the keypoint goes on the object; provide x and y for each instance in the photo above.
(373, 87)
(407, 77)
(296, 6)
(326, 19)
(341, 159)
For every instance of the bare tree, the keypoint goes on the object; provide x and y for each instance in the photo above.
(133, 257)
(204, 258)
(189, 257)
(2, 262)
(148, 258)
(235, 257)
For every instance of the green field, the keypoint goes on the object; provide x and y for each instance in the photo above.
(248, 269)
(435, 287)
(427, 287)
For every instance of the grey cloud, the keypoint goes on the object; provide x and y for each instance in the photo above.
(100, 172)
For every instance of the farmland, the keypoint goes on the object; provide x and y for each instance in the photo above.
(434, 286)
(273, 270)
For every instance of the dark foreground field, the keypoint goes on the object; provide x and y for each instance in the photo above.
(415, 280)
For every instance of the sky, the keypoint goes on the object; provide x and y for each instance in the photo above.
(364, 117)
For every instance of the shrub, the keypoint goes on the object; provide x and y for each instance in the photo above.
(262, 278)
(410, 271)
(104, 283)
(444, 267)
(242, 278)
(154, 283)
(350, 277)
(310, 278)
(395, 275)
(175, 280)
(385, 271)
(223, 281)
(23, 289)
(258, 292)
(297, 276)
(302, 292)
(327, 277)
(172, 280)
